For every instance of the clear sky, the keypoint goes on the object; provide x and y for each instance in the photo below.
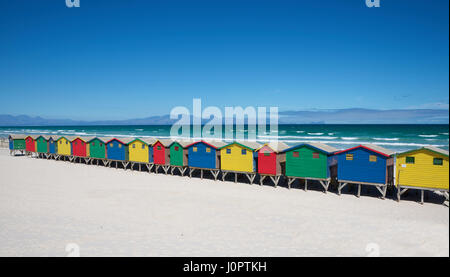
(124, 59)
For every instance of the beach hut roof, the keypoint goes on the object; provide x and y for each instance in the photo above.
(123, 140)
(316, 145)
(165, 142)
(252, 145)
(60, 137)
(14, 136)
(70, 138)
(216, 144)
(430, 148)
(277, 146)
(54, 137)
(32, 136)
(105, 139)
(148, 141)
(85, 139)
(371, 147)
(102, 139)
(183, 143)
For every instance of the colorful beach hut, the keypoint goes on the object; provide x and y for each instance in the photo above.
(117, 151)
(365, 165)
(16, 144)
(422, 169)
(179, 155)
(161, 154)
(204, 155)
(41, 145)
(271, 161)
(311, 161)
(79, 148)
(52, 145)
(30, 144)
(141, 152)
(239, 157)
(96, 150)
(64, 148)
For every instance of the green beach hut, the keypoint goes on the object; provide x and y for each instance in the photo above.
(41, 145)
(179, 155)
(97, 148)
(16, 144)
(313, 161)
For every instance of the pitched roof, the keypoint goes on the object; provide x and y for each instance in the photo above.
(149, 141)
(14, 136)
(126, 140)
(54, 137)
(64, 137)
(316, 145)
(216, 144)
(380, 149)
(183, 143)
(70, 138)
(430, 148)
(275, 146)
(85, 139)
(102, 139)
(437, 150)
(105, 139)
(165, 142)
(371, 147)
(123, 140)
(252, 145)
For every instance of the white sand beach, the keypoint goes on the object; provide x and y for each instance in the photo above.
(46, 205)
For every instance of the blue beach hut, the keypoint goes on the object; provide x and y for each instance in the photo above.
(51, 144)
(117, 149)
(365, 165)
(204, 155)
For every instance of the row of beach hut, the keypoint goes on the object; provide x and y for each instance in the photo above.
(364, 165)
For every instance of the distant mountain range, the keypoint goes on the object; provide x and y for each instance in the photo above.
(337, 116)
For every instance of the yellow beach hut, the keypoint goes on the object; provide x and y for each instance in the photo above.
(425, 168)
(141, 152)
(63, 147)
(239, 157)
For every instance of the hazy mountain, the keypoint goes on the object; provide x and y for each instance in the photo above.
(338, 116)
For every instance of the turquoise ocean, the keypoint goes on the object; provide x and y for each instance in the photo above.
(394, 137)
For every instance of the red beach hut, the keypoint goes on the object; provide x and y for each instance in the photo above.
(161, 152)
(271, 161)
(270, 158)
(30, 144)
(79, 146)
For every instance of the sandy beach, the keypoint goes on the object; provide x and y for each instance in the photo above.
(46, 206)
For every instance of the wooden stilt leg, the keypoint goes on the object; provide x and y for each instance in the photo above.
(215, 173)
(359, 190)
(235, 177)
(421, 196)
(306, 184)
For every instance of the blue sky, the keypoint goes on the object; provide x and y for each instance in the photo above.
(126, 59)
